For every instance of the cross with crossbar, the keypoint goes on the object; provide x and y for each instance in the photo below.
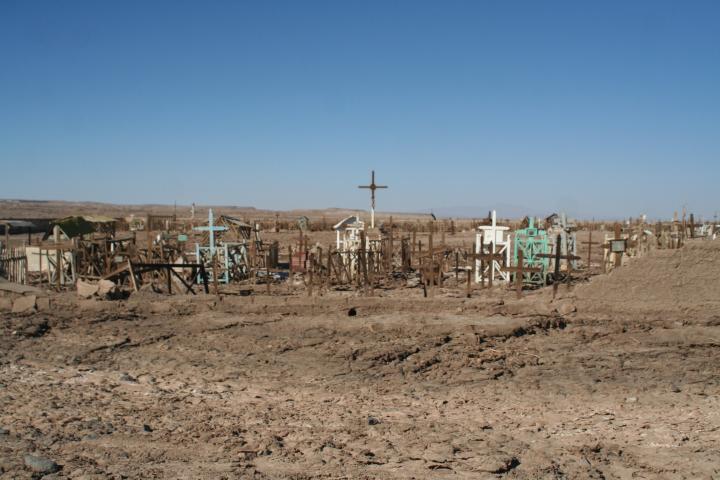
(372, 188)
(211, 228)
(520, 270)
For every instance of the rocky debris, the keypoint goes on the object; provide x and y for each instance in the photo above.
(565, 307)
(106, 288)
(497, 463)
(126, 377)
(18, 288)
(34, 329)
(42, 465)
(5, 304)
(525, 307)
(458, 390)
(25, 304)
(43, 304)
(85, 289)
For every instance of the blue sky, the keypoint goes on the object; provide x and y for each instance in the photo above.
(599, 108)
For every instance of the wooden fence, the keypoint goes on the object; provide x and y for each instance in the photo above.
(14, 265)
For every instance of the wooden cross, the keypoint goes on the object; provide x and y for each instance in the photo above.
(559, 256)
(372, 188)
(618, 245)
(520, 270)
(590, 243)
(485, 258)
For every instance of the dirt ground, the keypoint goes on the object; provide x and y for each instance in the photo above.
(617, 378)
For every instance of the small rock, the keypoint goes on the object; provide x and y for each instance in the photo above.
(496, 463)
(675, 389)
(35, 329)
(106, 288)
(5, 304)
(438, 453)
(147, 428)
(40, 464)
(352, 312)
(125, 377)
(85, 289)
(566, 308)
(43, 304)
(373, 421)
(4, 431)
(631, 399)
(24, 304)
(160, 307)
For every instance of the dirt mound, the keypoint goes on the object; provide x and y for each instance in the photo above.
(678, 285)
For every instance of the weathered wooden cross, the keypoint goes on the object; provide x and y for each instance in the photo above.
(557, 256)
(485, 258)
(590, 243)
(520, 270)
(618, 245)
(372, 188)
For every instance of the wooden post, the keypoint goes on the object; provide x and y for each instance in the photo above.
(133, 282)
(363, 258)
(482, 262)
(58, 266)
(267, 277)
(692, 225)
(309, 270)
(519, 275)
(329, 265)
(214, 272)
(457, 267)
(618, 256)
(556, 277)
(492, 265)
(390, 253)
(471, 274)
(412, 253)
(432, 262)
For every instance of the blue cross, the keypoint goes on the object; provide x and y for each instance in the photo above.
(212, 229)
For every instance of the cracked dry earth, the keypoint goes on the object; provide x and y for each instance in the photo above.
(293, 387)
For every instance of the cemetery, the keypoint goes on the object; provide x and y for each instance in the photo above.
(355, 345)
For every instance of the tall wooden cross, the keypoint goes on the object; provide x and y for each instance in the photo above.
(372, 188)
(482, 258)
(618, 245)
(520, 270)
(557, 256)
(211, 228)
(590, 243)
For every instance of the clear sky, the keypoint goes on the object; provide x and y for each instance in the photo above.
(602, 108)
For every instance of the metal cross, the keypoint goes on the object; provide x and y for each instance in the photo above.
(372, 188)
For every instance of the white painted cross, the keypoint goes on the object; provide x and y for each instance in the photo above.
(499, 237)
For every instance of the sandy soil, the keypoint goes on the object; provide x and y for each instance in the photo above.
(616, 378)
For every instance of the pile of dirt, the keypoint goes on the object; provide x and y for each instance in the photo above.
(676, 285)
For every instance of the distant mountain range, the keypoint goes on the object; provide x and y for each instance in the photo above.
(503, 210)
